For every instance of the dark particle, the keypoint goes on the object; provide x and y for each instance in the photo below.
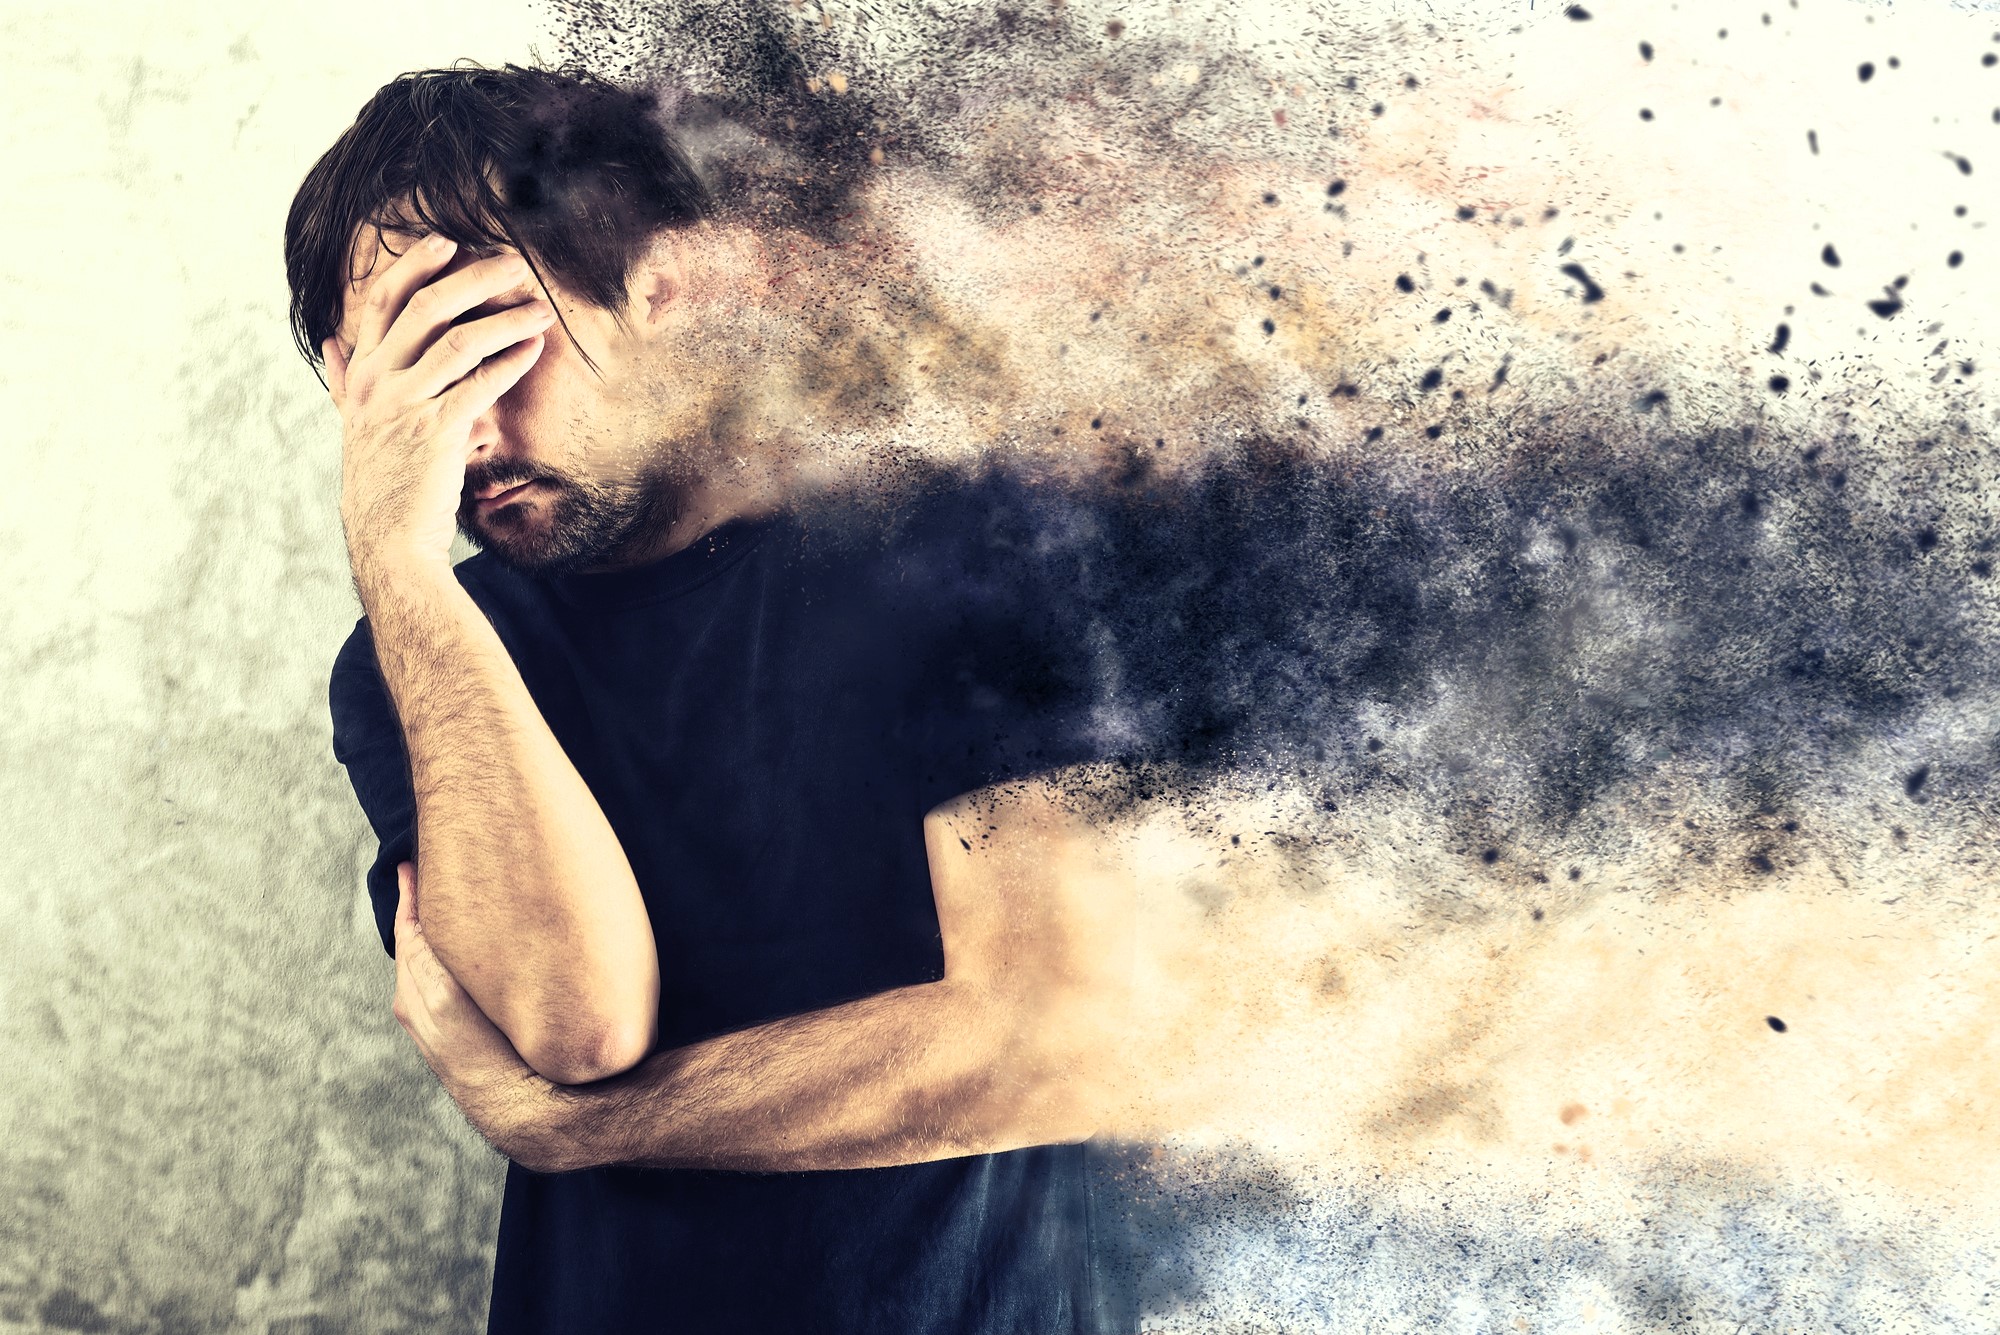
(1404, 283)
(1914, 782)
(1752, 507)
(1499, 376)
(1819, 291)
(1409, 81)
(1964, 167)
(1576, 873)
(1927, 539)
(1645, 113)
(1270, 198)
(1270, 327)
(1537, 915)
(1577, 14)
(1336, 188)
(1160, 443)
(1837, 478)
(1775, 1023)
(1652, 400)
(1812, 141)
(1982, 567)
(1097, 424)
(1432, 378)
(1779, 384)
(1887, 306)
(1441, 316)
(1375, 110)
(1645, 50)
(1591, 291)
(1374, 434)
(1894, 63)
(1867, 71)
(1989, 59)
(1434, 430)
(1374, 743)
(1256, 261)
(1956, 258)
(1114, 29)
(1762, 863)
(1830, 256)
(1347, 387)
(1490, 856)
(1276, 292)
(1790, 827)
(1236, 841)
(1784, 337)
(964, 845)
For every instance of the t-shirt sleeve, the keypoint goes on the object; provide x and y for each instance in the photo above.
(368, 740)
(1010, 683)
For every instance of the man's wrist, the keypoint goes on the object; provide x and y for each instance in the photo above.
(382, 575)
(549, 1126)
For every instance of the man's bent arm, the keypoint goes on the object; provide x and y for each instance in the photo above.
(527, 896)
(1014, 1047)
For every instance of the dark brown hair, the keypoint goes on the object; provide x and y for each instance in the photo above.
(573, 171)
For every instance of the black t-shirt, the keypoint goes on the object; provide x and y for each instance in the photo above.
(765, 717)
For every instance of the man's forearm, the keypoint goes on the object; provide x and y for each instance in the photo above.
(920, 1073)
(525, 893)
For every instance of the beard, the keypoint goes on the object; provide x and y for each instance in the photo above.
(571, 525)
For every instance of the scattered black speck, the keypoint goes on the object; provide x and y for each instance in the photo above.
(1236, 841)
(1790, 827)
(1374, 433)
(1894, 63)
(1775, 1023)
(1982, 567)
(1256, 261)
(1490, 856)
(1576, 873)
(1374, 743)
(1645, 113)
(1499, 376)
(1577, 13)
(1783, 337)
(1097, 424)
(1270, 327)
(964, 845)
(1751, 505)
(1989, 59)
(1645, 50)
(1927, 539)
(1812, 141)
(1819, 291)
(1276, 292)
(1886, 306)
(1762, 863)
(1867, 71)
(1913, 782)
(1830, 256)
(1347, 387)
(1375, 110)
(1336, 188)
(1270, 198)
(1404, 283)
(1652, 400)
(1434, 430)
(1537, 915)
(1441, 316)
(1591, 291)
(1964, 166)
(1465, 213)
(1779, 384)
(1432, 378)
(1956, 258)
(1837, 478)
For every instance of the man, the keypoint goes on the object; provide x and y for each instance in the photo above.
(723, 896)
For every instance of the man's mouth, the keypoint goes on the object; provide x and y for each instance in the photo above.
(492, 498)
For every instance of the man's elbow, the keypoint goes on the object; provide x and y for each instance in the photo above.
(580, 1053)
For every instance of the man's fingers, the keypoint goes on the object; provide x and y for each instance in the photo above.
(496, 283)
(391, 291)
(460, 350)
(482, 388)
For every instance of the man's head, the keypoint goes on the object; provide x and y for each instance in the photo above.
(579, 178)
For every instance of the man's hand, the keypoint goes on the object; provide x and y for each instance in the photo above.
(412, 385)
(478, 1067)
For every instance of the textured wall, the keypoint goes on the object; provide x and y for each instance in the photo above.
(1603, 668)
(212, 1121)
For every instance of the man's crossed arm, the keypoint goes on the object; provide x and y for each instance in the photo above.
(1015, 1046)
